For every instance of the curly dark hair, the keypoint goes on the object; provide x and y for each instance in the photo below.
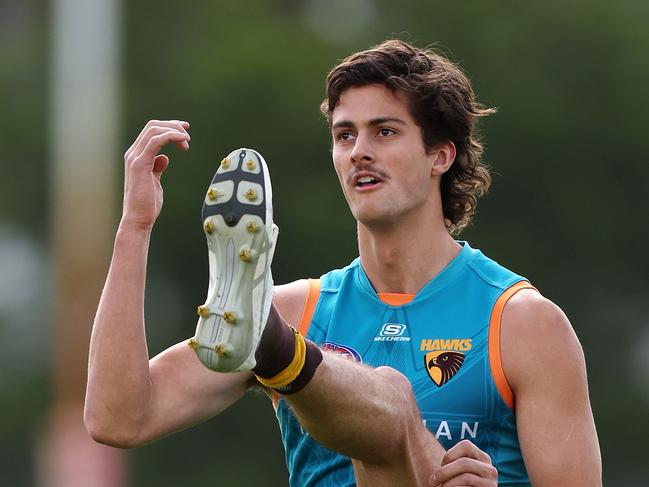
(443, 104)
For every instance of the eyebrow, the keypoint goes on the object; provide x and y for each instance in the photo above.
(372, 123)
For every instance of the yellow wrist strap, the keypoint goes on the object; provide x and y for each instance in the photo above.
(290, 373)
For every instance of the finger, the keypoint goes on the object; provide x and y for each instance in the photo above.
(177, 124)
(184, 145)
(157, 142)
(139, 140)
(465, 449)
(151, 128)
(160, 163)
(152, 131)
(468, 480)
(160, 139)
(463, 466)
(132, 147)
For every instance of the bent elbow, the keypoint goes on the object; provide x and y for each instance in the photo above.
(108, 434)
(109, 438)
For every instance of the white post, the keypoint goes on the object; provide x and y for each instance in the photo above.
(85, 157)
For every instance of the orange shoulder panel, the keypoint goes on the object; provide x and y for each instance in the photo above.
(309, 306)
(495, 359)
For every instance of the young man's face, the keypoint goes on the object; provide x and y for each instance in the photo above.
(380, 158)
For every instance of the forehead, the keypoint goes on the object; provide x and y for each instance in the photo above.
(361, 103)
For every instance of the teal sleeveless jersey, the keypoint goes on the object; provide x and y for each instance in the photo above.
(445, 340)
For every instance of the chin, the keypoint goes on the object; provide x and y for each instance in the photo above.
(374, 218)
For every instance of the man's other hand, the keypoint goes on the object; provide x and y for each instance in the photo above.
(465, 465)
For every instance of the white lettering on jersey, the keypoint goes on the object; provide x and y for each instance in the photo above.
(467, 430)
(472, 432)
(443, 430)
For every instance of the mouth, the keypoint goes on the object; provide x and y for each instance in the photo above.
(366, 181)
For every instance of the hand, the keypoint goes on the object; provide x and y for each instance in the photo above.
(143, 167)
(465, 465)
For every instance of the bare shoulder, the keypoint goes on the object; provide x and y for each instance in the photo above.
(544, 365)
(536, 336)
(530, 317)
(290, 299)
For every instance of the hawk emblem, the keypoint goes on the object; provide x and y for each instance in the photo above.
(443, 365)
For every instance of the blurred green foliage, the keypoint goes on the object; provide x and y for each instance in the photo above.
(567, 207)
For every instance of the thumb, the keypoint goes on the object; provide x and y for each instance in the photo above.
(160, 163)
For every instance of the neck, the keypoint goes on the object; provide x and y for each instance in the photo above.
(405, 257)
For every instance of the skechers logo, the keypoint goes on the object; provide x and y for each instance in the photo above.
(392, 332)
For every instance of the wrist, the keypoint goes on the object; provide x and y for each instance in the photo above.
(129, 226)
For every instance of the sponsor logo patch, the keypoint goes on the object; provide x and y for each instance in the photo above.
(342, 350)
(392, 332)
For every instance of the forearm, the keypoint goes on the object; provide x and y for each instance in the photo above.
(119, 384)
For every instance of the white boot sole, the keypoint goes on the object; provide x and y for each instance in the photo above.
(238, 223)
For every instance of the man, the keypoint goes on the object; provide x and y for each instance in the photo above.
(487, 358)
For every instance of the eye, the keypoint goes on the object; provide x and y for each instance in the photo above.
(344, 136)
(385, 132)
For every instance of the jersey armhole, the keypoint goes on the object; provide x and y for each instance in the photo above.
(495, 359)
(310, 303)
(309, 306)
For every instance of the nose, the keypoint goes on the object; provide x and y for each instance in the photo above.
(362, 151)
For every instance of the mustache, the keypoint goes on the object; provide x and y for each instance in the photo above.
(371, 171)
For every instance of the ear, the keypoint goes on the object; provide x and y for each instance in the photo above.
(442, 158)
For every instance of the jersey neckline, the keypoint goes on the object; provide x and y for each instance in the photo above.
(447, 275)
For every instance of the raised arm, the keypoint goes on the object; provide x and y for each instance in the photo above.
(545, 367)
(129, 399)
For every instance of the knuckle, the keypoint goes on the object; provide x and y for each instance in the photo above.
(129, 157)
(464, 463)
(465, 444)
(464, 479)
(469, 479)
(467, 447)
(441, 475)
(156, 139)
(152, 131)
